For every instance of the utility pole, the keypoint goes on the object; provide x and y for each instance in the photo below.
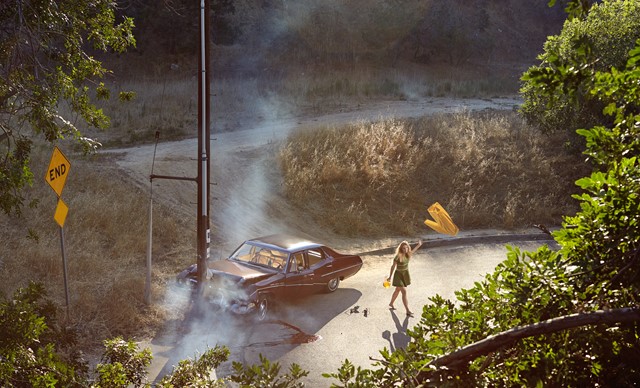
(203, 158)
(204, 146)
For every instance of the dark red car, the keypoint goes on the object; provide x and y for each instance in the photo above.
(265, 269)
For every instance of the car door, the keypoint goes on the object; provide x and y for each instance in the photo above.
(321, 266)
(299, 275)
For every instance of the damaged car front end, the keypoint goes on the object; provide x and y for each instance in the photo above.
(226, 288)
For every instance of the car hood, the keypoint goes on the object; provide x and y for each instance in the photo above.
(237, 269)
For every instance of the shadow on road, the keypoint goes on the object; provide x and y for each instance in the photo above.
(399, 339)
(296, 322)
(292, 323)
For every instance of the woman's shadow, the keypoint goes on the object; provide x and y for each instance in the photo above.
(399, 339)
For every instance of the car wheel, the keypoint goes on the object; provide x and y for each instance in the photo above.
(333, 284)
(263, 309)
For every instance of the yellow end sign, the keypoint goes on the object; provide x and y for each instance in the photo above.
(61, 213)
(58, 170)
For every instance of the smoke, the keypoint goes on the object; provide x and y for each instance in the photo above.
(239, 211)
(194, 328)
(245, 171)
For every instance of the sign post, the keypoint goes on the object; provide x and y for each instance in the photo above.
(56, 177)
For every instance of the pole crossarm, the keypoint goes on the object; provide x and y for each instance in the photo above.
(177, 178)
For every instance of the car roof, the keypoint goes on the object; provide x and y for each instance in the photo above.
(285, 241)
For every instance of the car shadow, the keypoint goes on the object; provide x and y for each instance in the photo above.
(290, 323)
(294, 322)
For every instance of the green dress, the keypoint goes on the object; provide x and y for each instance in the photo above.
(401, 277)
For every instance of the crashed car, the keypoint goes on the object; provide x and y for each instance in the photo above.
(263, 270)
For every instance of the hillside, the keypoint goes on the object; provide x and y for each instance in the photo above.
(271, 59)
(271, 67)
(277, 36)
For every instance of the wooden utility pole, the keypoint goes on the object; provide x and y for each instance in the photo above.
(203, 157)
(204, 145)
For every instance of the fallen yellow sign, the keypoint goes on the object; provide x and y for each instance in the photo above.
(443, 222)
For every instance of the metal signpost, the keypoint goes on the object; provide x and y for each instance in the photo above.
(56, 177)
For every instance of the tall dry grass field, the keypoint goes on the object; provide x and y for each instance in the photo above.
(489, 170)
(105, 237)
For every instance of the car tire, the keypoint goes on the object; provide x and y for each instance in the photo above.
(333, 284)
(263, 309)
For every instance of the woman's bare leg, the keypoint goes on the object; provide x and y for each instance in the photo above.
(394, 296)
(405, 300)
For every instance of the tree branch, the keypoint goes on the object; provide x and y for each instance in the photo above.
(500, 340)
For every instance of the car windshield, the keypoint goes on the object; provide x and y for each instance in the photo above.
(263, 256)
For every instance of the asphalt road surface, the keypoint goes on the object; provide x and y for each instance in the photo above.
(319, 332)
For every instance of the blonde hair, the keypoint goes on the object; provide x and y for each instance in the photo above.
(401, 255)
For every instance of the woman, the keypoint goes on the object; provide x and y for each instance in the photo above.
(401, 278)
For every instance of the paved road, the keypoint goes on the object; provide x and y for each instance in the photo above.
(321, 331)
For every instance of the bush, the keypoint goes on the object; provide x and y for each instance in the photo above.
(599, 41)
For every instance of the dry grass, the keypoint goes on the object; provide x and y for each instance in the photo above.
(164, 104)
(105, 236)
(488, 170)
(372, 179)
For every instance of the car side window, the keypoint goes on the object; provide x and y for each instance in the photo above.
(314, 256)
(293, 265)
(297, 262)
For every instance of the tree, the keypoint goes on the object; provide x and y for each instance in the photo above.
(592, 41)
(595, 269)
(46, 67)
(29, 333)
(30, 353)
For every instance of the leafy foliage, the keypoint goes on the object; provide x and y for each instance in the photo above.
(46, 63)
(31, 344)
(589, 42)
(595, 268)
(27, 347)
(122, 366)
(267, 374)
(197, 372)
